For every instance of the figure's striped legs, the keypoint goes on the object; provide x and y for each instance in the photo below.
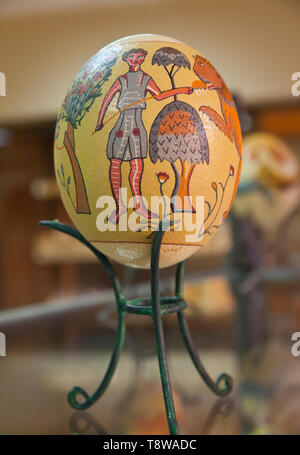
(115, 178)
(135, 180)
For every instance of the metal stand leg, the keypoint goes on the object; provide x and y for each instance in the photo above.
(91, 399)
(159, 335)
(76, 391)
(156, 307)
(224, 384)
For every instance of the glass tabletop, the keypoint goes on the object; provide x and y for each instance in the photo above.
(34, 388)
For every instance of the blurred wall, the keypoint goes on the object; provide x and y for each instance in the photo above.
(253, 44)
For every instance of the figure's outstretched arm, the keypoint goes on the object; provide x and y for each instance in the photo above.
(115, 88)
(158, 95)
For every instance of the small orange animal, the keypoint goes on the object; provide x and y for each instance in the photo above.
(229, 124)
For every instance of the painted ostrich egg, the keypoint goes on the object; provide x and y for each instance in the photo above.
(147, 139)
(270, 181)
(268, 160)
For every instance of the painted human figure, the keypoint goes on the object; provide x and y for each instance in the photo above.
(128, 139)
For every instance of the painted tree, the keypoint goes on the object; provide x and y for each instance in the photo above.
(177, 133)
(86, 87)
(170, 57)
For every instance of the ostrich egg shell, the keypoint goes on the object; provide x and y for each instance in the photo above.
(268, 160)
(147, 138)
(271, 165)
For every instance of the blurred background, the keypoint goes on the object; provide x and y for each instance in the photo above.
(56, 305)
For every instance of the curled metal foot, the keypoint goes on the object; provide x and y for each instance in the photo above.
(73, 395)
(224, 384)
(91, 399)
(76, 391)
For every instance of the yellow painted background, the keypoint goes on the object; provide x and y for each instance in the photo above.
(91, 149)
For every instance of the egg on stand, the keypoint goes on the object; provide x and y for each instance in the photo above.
(147, 157)
(147, 126)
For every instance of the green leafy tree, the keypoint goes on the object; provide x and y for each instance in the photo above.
(86, 87)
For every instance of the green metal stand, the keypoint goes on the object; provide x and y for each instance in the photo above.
(156, 307)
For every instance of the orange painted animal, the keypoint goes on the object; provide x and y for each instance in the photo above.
(229, 124)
